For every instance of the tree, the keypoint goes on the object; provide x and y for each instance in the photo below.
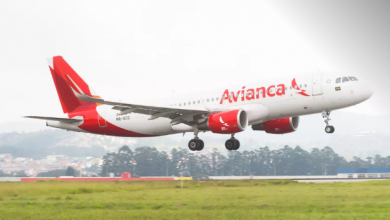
(70, 172)
(218, 162)
(301, 165)
(110, 164)
(331, 161)
(52, 173)
(149, 162)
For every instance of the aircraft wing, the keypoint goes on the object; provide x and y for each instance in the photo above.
(66, 120)
(178, 115)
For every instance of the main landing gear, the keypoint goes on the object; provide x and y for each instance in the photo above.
(196, 144)
(328, 129)
(232, 143)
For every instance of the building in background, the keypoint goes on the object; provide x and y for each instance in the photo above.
(363, 173)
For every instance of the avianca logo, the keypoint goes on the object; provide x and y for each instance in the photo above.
(250, 94)
(222, 122)
(296, 87)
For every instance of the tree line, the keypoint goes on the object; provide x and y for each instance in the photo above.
(148, 161)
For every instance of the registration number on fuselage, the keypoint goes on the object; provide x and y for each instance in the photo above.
(123, 118)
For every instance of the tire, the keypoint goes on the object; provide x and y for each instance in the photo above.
(193, 145)
(230, 144)
(237, 144)
(201, 145)
(329, 129)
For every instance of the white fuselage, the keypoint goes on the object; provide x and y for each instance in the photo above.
(314, 93)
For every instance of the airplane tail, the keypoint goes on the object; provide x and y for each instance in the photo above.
(68, 83)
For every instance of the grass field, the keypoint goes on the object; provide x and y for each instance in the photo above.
(197, 200)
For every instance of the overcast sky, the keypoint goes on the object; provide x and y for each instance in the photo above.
(135, 51)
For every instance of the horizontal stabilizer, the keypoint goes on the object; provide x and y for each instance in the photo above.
(66, 120)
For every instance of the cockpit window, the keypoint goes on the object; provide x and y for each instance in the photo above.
(345, 79)
(352, 78)
(338, 80)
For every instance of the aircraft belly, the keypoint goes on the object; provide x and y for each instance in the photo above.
(141, 124)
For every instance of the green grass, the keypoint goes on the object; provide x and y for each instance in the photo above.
(279, 199)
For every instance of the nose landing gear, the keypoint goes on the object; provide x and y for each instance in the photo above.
(232, 143)
(328, 129)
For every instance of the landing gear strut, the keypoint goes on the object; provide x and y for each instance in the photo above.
(196, 144)
(232, 143)
(328, 129)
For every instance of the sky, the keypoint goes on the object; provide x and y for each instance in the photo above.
(137, 51)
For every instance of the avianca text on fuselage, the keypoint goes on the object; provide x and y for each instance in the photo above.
(251, 94)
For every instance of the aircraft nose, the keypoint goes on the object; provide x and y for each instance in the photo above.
(368, 91)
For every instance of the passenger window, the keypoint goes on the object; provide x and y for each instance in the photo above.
(338, 80)
(352, 78)
(207, 100)
(198, 101)
(305, 85)
(345, 79)
(217, 99)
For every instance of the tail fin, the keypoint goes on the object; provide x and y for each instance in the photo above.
(67, 83)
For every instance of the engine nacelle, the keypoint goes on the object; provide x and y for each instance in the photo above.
(226, 122)
(278, 126)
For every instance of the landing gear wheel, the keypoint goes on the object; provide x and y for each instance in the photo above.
(196, 145)
(329, 129)
(201, 145)
(230, 144)
(193, 144)
(237, 144)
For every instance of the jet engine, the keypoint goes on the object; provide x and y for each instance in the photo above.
(278, 126)
(227, 122)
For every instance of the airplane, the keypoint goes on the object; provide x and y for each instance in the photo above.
(273, 106)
